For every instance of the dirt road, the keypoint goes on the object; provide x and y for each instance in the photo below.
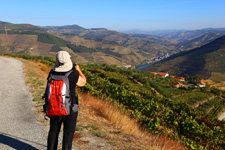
(19, 128)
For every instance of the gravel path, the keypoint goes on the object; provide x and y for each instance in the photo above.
(19, 128)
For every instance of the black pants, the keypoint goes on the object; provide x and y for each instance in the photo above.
(69, 123)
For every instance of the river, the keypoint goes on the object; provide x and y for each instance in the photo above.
(144, 66)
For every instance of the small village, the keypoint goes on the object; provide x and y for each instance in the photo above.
(199, 83)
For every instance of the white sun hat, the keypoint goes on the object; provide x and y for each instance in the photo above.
(63, 62)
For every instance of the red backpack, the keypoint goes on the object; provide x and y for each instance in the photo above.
(57, 95)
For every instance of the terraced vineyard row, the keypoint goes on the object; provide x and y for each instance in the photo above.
(204, 108)
(218, 107)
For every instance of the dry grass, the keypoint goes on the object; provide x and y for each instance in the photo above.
(123, 122)
(36, 74)
(111, 113)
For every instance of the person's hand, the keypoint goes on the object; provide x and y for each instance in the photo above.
(82, 79)
(76, 66)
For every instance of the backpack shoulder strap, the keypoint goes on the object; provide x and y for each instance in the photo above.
(57, 77)
(72, 101)
(50, 75)
(68, 73)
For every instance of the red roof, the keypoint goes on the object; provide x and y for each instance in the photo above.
(203, 83)
(162, 74)
(177, 83)
(181, 78)
(199, 81)
(153, 72)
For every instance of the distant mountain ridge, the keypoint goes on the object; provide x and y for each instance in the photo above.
(100, 45)
(198, 41)
(72, 29)
(199, 61)
(188, 35)
(153, 32)
(29, 39)
(166, 41)
(149, 47)
(20, 27)
(178, 35)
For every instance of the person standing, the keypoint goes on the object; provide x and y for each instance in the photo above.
(63, 65)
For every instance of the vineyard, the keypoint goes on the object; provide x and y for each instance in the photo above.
(149, 98)
(158, 106)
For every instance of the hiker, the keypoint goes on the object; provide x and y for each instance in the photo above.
(62, 66)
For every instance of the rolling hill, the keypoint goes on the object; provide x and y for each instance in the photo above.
(199, 61)
(29, 39)
(99, 45)
(149, 46)
(188, 35)
(19, 27)
(198, 41)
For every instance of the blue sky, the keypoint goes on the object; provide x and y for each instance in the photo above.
(117, 14)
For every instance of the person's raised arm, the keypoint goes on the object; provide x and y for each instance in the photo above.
(82, 79)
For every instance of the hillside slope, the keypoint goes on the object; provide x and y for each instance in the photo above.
(29, 39)
(150, 99)
(21, 27)
(198, 41)
(98, 46)
(150, 46)
(188, 35)
(200, 61)
(101, 125)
